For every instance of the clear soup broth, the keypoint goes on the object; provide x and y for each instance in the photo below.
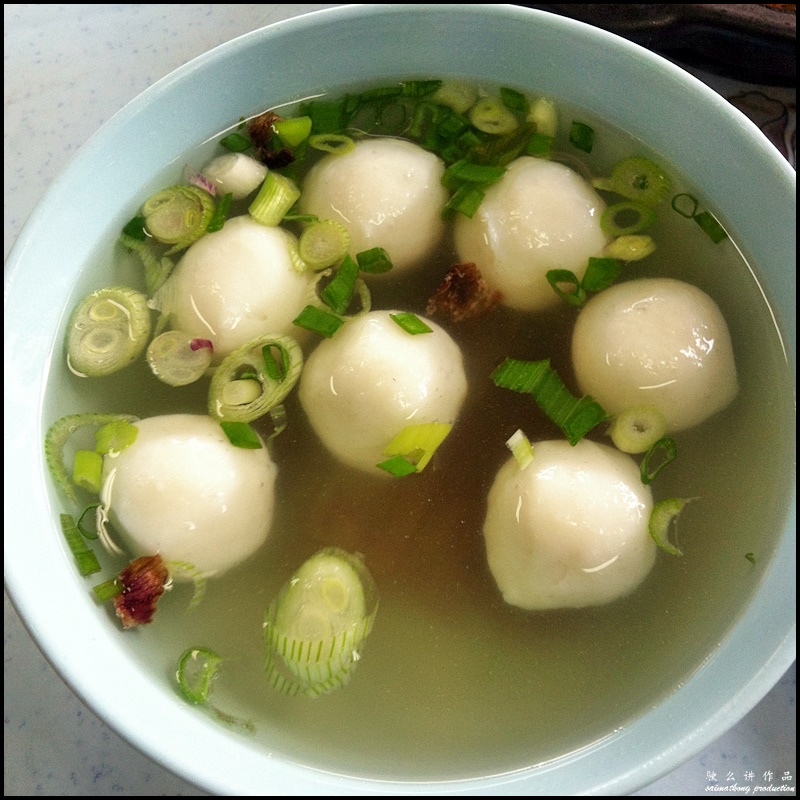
(454, 682)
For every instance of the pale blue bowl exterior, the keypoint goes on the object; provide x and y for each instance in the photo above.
(743, 176)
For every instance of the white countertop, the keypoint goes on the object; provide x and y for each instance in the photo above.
(68, 68)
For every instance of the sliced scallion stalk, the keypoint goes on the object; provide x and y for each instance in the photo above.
(397, 466)
(418, 443)
(661, 518)
(566, 285)
(521, 448)
(339, 292)
(179, 215)
(317, 625)
(335, 143)
(544, 115)
(626, 218)
(107, 331)
(581, 136)
(249, 358)
(465, 200)
(600, 274)
(489, 115)
(323, 244)
(574, 416)
(411, 323)
(236, 143)
(663, 452)
(638, 179)
(540, 145)
(87, 468)
(374, 261)
(85, 559)
(108, 590)
(240, 434)
(59, 433)
(318, 321)
(275, 197)
(197, 669)
(710, 226)
(292, 130)
(630, 247)
(456, 95)
(514, 100)
(156, 270)
(637, 429)
(176, 359)
(217, 221)
(115, 436)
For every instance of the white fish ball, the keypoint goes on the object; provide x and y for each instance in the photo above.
(236, 173)
(570, 529)
(236, 284)
(372, 379)
(657, 342)
(182, 490)
(540, 215)
(387, 193)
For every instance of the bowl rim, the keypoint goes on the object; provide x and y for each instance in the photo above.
(761, 670)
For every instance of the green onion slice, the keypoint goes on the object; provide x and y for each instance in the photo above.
(686, 205)
(566, 285)
(186, 570)
(636, 430)
(418, 443)
(663, 452)
(581, 136)
(374, 261)
(86, 532)
(179, 215)
(319, 321)
(339, 292)
(540, 145)
(197, 670)
(177, 358)
(220, 215)
(521, 448)
(84, 557)
(489, 115)
(323, 244)
(115, 436)
(292, 131)
(397, 466)
(240, 434)
(336, 143)
(661, 519)
(626, 218)
(574, 416)
(59, 433)
(107, 331)
(249, 358)
(274, 199)
(638, 179)
(87, 469)
(630, 247)
(711, 227)
(600, 274)
(108, 590)
(236, 143)
(156, 270)
(456, 95)
(317, 625)
(411, 323)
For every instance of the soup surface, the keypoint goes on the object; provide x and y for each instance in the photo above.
(453, 681)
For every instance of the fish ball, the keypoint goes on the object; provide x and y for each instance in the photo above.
(570, 529)
(236, 284)
(656, 342)
(372, 379)
(387, 193)
(540, 215)
(182, 490)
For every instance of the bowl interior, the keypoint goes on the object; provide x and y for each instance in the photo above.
(658, 104)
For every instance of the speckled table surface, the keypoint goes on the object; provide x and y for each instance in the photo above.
(68, 68)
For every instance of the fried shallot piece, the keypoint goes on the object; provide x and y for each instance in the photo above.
(261, 132)
(463, 294)
(142, 582)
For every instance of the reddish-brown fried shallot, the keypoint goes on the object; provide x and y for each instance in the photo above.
(142, 582)
(463, 294)
(261, 133)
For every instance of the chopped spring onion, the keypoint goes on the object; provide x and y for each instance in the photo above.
(459, 97)
(236, 143)
(637, 429)
(686, 205)
(56, 439)
(84, 557)
(630, 247)
(489, 115)
(107, 331)
(626, 218)
(661, 518)
(637, 179)
(190, 571)
(175, 358)
(217, 221)
(397, 466)
(464, 171)
(87, 469)
(711, 227)
(750, 557)
(361, 292)
(93, 532)
(318, 321)
(317, 625)
(240, 434)
(292, 130)
(179, 215)
(374, 261)
(249, 358)
(339, 292)
(600, 274)
(275, 197)
(108, 590)
(540, 145)
(465, 200)
(323, 244)
(574, 416)
(544, 115)
(521, 448)
(336, 143)
(115, 436)
(664, 449)
(197, 670)
(420, 88)
(156, 270)
(136, 229)
(581, 136)
(566, 285)
(514, 100)
(411, 323)
(417, 443)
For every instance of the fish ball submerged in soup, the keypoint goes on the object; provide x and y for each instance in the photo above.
(182, 490)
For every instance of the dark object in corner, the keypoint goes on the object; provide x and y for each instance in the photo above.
(753, 43)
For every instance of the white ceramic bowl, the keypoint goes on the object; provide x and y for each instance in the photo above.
(655, 101)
